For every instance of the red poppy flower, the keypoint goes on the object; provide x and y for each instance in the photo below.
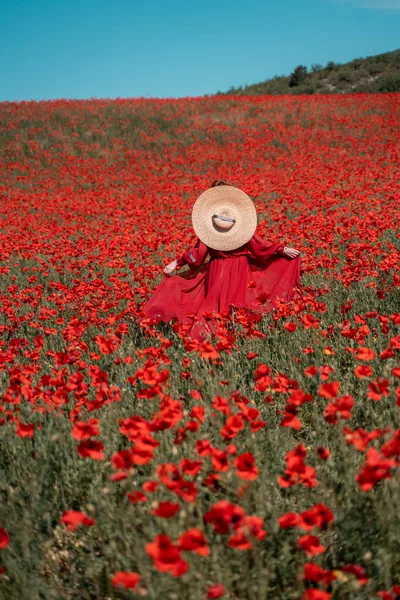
(191, 467)
(203, 447)
(232, 426)
(219, 460)
(150, 486)
(125, 579)
(207, 350)
(392, 446)
(362, 371)
(315, 594)
(91, 449)
(378, 388)
(298, 398)
(311, 371)
(363, 353)
(166, 510)
(317, 516)
(323, 452)
(257, 425)
(376, 468)
(325, 371)
(223, 516)
(166, 556)
(198, 412)
(239, 541)
(290, 419)
(358, 571)
(106, 346)
(311, 545)
(246, 467)
(309, 321)
(341, 407)
(250, 527)
(313, 572)
(186, 490)
(73, 518)
(289, 519)
(83, 431)
(329, 390)
(4, 539)
(216, 591)
(25, 430)
(122, 459)
(194, 540)
(141, 456)
(262, 378)
(221, 404)
(136, 497)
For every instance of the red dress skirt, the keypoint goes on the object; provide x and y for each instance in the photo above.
(253, 276)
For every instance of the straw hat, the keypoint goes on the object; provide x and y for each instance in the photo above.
(224, 217)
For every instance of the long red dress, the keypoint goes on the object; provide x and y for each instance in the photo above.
(252, 276)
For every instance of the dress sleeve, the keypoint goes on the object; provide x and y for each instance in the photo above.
(261, 251)
(195, 256)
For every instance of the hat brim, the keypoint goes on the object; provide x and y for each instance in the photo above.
(214, 201)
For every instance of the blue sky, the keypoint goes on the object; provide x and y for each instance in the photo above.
(52, 49)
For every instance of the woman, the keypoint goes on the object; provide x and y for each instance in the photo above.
(243, 270)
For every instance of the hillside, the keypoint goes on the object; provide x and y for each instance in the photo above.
(380, 73)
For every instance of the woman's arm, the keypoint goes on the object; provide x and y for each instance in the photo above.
(193, 257)
(261, 250)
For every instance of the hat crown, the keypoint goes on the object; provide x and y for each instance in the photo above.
(224, 218)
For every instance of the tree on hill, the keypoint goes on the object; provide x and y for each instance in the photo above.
(390, 83)
(316, 67)
(331, 65)
(298, 76)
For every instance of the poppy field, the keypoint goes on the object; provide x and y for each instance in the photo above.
(137, 463)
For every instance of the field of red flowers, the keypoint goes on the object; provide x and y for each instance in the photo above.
(134, 462)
